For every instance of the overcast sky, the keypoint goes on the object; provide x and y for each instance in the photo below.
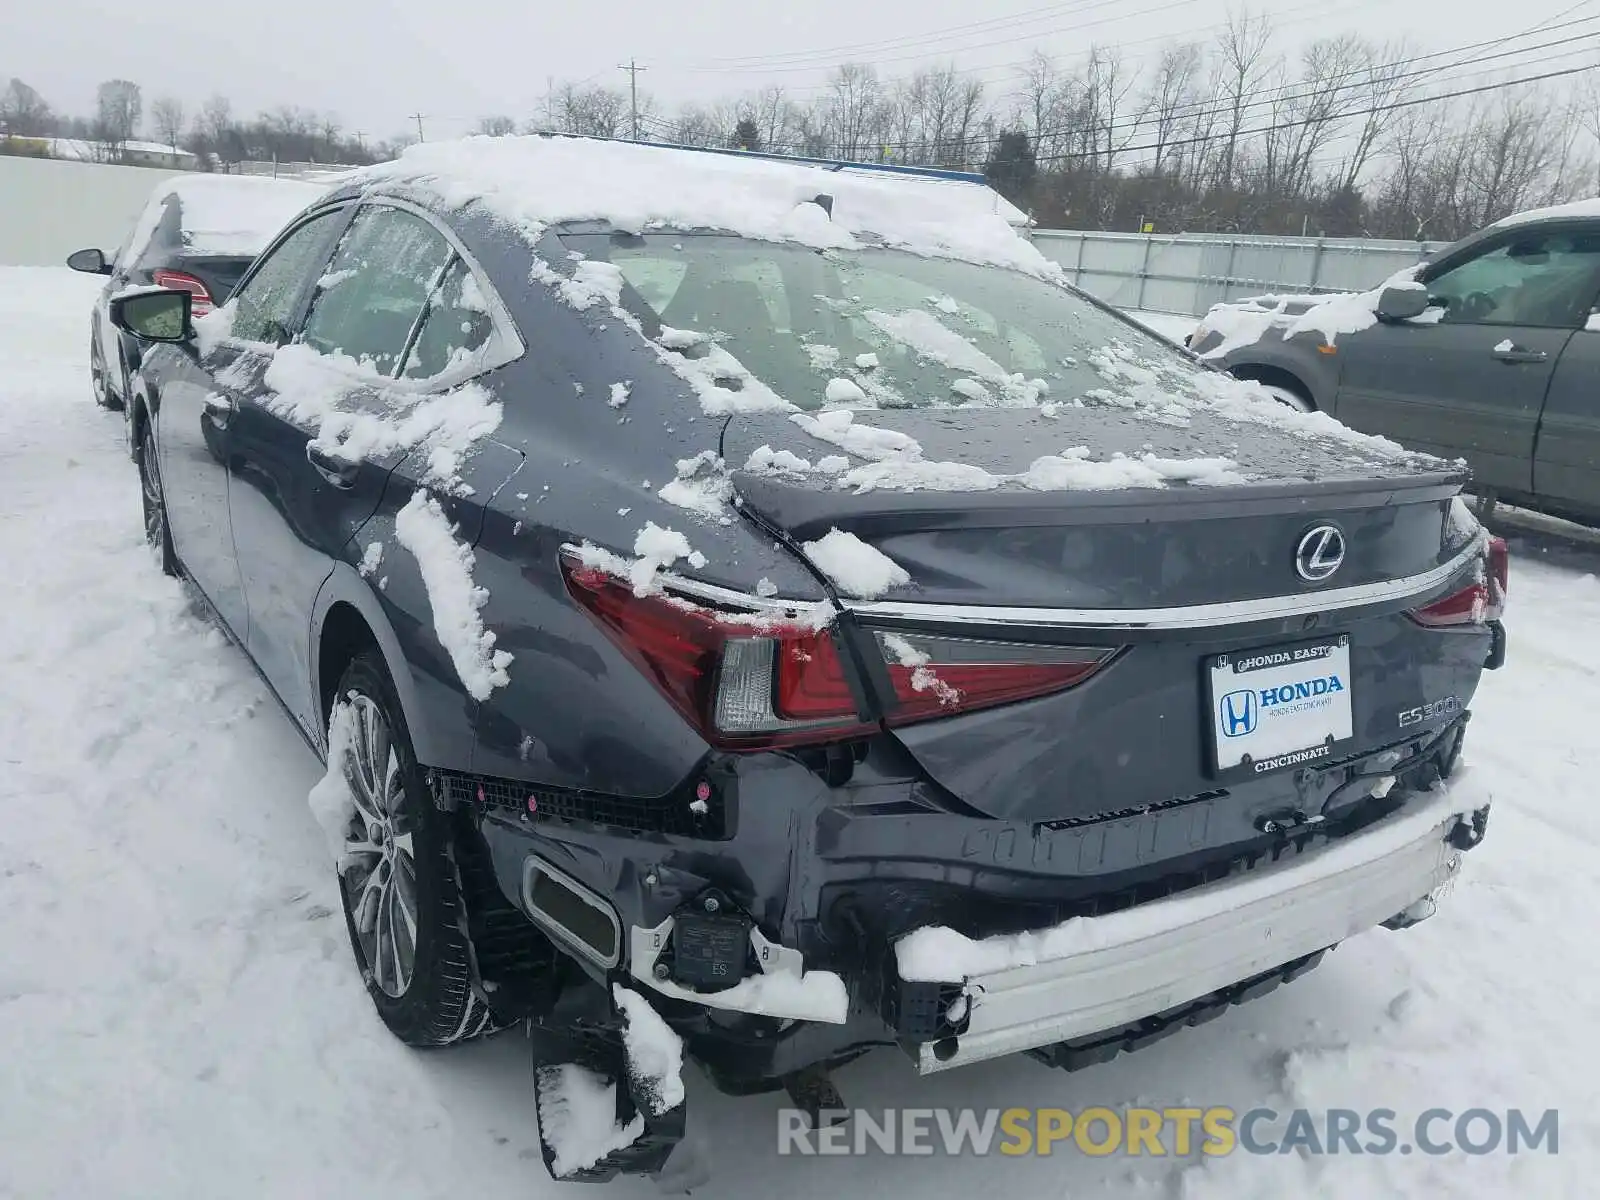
(376, 62)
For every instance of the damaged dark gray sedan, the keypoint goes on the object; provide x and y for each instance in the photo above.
(756, 613)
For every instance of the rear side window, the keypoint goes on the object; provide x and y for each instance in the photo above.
(456, 328)
(376, 288)
(265, 306)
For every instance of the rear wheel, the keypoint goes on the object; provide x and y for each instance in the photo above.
(397, 878)
(156, 533)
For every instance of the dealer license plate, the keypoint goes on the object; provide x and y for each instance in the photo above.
(1279, 706)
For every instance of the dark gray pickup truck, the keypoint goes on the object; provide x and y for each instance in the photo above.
(1495, 359)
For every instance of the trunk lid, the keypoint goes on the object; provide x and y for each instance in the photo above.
(1009, 507)
(1157, 560)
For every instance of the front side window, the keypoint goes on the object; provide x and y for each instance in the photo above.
(376, 288)
(264, 307)
(877, 327)
(1542, 279)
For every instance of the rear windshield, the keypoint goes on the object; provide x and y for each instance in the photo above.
(872, 328)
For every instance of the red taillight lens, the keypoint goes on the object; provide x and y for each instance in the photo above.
(742, 682)
(940, 676)
(178, 281)
(754, 683)
(1484, 599)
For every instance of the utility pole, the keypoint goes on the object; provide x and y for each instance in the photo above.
(633, 70)
(417, 117)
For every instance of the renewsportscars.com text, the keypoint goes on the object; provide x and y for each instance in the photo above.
(1158, 1132)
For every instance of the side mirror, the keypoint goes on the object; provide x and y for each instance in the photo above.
(90, 262)
(1402, 303)
(154, 316)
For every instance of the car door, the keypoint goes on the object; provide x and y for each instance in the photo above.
(197, 410)
(296, 501)
(1468, 379)
(1566, 464)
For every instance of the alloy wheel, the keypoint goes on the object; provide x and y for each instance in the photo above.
(155, 512)
(379, 869)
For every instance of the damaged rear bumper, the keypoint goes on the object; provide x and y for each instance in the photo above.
(1110, 972)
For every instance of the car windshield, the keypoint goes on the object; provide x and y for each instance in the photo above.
(872, 327)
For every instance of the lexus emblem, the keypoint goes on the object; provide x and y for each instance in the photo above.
(1319, 553)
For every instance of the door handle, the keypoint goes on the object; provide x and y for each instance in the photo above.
(219, 406)
(1520, 354)
(336, 471)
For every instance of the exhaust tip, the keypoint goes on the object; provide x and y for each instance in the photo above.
(575, 916)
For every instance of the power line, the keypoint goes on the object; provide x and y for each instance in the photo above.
(1029, 16)
(1364, 76)
(1295, 124)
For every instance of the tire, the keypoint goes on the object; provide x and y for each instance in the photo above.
(154, 501)
(397, 880)
(1288, 397)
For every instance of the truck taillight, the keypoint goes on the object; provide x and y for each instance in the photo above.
(180, 281)
(1481, 601)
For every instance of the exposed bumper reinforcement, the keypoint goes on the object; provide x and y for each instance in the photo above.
(1175, 952)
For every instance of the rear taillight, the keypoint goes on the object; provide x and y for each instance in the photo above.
(1481, 601)
(940, 676)
(744, 682)
(180, 281)
(755, 682)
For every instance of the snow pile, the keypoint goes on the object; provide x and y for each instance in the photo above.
(809, 996)
(532, 182)
(358, 415)
(1245, 322)
(701, 486)
(854, 566)
(593, 283)
(655, 1053)
(838, 426)
(936, 954)
(453, 598)
(619, 393)
(332, 803)
(372, 558)
(656, 548)
(578, 1118)
(1073, 469)
(233, 215)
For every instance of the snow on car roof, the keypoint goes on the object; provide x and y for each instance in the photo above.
(224, 214)
(1577, 208)
(535, 181)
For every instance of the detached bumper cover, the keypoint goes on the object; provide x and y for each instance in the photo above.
(1034, 990)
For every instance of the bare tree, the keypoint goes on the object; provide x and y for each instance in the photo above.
(855, 110)
(496, 126)
(23, 112)
(117, 110)
(1244, 62)
(166, 118)
(1170, 98)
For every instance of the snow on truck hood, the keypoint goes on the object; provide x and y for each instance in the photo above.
(536, 181)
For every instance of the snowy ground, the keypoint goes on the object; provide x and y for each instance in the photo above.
(179, 1016)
